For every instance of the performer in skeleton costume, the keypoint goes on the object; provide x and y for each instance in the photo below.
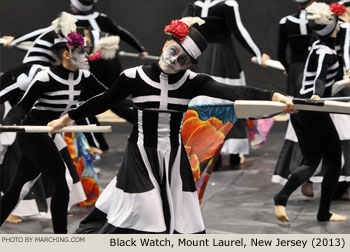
(294, 33)
(321, 141)
(36, 60)
(290, 157)
(342, 122)
(154, 191)
(15, 81)
(53, 92)
(106, 70)
(84, 10)
(87, 16)
(220, 60)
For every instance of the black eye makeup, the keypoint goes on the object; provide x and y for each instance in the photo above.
(80, 50)
(173, 51)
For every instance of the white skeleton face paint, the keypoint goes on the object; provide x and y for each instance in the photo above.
(174, 58)
(78, 58)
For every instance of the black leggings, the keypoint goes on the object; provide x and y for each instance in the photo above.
(318, 139)
(39, 154)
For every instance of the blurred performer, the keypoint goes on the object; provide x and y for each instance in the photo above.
(290, 157)
(295, 34)
(16, 83)
(106, 70)
(342, 122)
(317, 135)
(220, 60)
(53, 92)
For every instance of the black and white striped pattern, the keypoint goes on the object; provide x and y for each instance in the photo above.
(21, 84)
(294, 31)
(53, 92)
(155, 190)
(41, 53)
(321, 69)
(234, 20)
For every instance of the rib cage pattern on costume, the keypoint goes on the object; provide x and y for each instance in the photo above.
(320, 56)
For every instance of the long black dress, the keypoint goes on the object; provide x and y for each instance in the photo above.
(154, 191)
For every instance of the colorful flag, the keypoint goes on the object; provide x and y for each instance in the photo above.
(79, 150)
(203, 133)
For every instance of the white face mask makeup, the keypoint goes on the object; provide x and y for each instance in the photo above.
(174, 59)
(78, 58)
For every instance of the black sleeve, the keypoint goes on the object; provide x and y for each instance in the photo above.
(20, 110)
(234, 22)
(205, 85)
(282, 47)
(10, 92)
(120, 89)
(122, 33)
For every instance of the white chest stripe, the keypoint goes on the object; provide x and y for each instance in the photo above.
(206, 5)
(347, 48)
(157, 98)
(303, 22)
(157, 85)
(70, 80)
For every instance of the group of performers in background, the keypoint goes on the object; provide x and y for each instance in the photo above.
(154, 190)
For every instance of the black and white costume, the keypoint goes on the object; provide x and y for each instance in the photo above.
(290, 157)
(317, 135)
(34, 202)
(220, 60)
(100, 22)
(341, 122)
(16, 82)
(52, 93)
(106, 70)
(154, 191)
(294, 33)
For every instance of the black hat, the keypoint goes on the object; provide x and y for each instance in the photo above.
(190, 39)
(83, 5)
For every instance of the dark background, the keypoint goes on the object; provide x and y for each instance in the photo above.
(146, 20)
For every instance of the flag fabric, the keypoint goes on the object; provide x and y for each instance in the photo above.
(203, 133)
(258, 131)
(79, 150)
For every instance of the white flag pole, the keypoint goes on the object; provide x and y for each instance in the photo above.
(46, 129)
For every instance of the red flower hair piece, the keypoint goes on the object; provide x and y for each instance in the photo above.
(337, 9)
(178, 29)
(75, 40)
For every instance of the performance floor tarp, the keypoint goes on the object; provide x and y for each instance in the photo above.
(236, 201)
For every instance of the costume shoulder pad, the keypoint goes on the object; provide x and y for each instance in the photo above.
(42, 76)
(86, 73)
(130, 73)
